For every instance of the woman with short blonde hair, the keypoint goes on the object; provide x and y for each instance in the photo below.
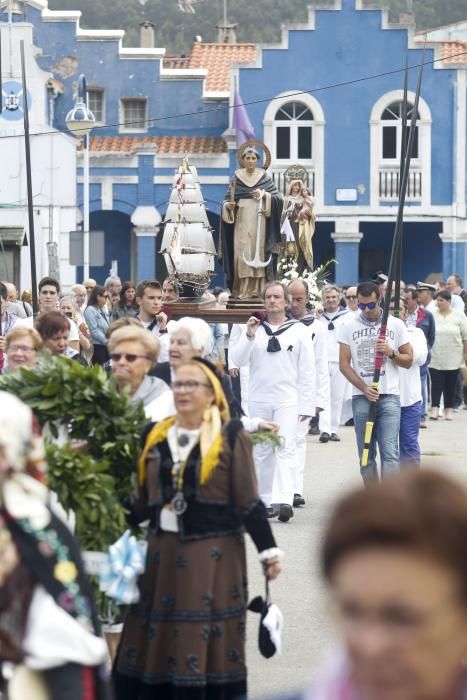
(20, 332)
(133, 352)
(132, 333)
(21, 347)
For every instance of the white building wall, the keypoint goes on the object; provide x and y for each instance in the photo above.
(53, 161)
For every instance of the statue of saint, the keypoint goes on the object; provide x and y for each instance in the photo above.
(250, 232)
(299, 211)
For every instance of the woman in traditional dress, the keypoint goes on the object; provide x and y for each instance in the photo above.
(48, 627)
(298, 210)
(185, 639)
(250, 189)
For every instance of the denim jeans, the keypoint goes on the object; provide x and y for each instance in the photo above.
(385, 434)
(408, 434)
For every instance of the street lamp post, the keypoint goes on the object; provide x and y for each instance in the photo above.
(80, 121)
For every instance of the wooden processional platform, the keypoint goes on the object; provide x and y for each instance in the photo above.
(237, 311)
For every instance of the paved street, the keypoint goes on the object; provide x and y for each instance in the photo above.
(331, 469)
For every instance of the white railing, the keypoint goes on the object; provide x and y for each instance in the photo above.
(389, 185)
(282, 183)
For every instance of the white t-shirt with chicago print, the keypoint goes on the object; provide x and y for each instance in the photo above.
(361, 337)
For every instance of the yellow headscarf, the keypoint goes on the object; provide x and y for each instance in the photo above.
(210, 439)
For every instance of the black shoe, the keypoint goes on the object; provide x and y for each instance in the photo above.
(334, 437)
(285, 512)
(349, 422)
(272, 511)
(313, 429)
(298, 500)
(324, 437)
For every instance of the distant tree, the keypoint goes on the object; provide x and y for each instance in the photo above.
(259, 21)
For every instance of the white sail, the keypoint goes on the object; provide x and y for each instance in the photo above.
(187, 242)
(189, 194)
(190, 178)
(188, 237)
(196, 264)
(194, 213)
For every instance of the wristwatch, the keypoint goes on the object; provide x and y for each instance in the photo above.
(394, 355)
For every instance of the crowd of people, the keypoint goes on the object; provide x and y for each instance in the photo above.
(290, 369)
(322, 381)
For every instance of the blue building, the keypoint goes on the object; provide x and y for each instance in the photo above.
(327, 97)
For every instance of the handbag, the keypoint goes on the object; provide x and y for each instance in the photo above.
(270, 624)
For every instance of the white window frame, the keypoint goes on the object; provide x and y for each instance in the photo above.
(101, 91)
(131, 128)
(293, 125)
(316, 163)
(423, 162)
(398, 124)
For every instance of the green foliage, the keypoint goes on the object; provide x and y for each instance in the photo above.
(258, 21)
(266, 437)
(85, 486)
(89, 482)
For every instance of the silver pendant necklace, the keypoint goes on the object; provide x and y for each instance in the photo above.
(178, 502)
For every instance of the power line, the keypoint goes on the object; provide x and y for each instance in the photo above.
(332, 86)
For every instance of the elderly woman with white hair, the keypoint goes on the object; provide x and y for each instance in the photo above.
(133, 352)
(191, 337)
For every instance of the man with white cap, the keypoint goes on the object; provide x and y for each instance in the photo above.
(426, 294)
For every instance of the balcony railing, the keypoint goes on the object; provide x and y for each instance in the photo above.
(283, 183)
(389, 183)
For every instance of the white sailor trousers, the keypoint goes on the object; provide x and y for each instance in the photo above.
(276, 468)
(329, 419)
(300, 456)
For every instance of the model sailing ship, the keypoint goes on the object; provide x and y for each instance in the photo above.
(187, 243)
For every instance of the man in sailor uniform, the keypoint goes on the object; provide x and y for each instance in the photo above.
(280, 356)
(332, 319)
(299, 298)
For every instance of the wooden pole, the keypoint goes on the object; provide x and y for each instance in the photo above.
(32, 240)
(379, 358)
(403, 155)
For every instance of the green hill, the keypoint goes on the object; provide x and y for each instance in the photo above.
(258, 20)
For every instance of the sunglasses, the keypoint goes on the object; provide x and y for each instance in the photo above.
(129, 357)
(370, 305)
(351, 296)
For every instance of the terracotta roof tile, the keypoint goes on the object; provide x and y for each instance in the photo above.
(454, 52)
(218, 60)
(176, 62)
(163, 144)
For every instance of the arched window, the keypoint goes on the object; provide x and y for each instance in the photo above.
(385, 150)
(391, 126)
(293, 129)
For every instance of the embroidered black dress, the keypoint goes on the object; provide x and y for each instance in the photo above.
(185, 639)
